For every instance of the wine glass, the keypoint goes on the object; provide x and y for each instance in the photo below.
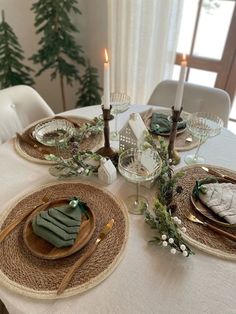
(138, 166)
(202, 125)
(120, 103)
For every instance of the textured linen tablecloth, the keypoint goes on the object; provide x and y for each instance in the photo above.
(149, 279)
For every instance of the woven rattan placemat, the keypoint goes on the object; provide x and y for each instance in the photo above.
(36, 155)
(39, 278)
(198, 235)
(181, 144)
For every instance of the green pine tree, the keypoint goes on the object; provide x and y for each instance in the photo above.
(12, 70)
(58, 50)
(89, 89)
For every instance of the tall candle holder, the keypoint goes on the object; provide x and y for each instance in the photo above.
(106, 150)
(173, 154)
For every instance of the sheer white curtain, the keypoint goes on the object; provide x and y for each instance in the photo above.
(142, 39)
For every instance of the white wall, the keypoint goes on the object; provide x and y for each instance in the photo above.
(92, 25)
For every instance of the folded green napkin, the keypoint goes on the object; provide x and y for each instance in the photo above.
(60, 226)
(161, 124)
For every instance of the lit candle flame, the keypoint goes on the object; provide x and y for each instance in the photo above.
(184, 57)
(106, 56)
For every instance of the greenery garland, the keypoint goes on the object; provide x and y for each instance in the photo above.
(168, 229)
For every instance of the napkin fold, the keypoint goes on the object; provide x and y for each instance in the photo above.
(60, 225)
(160, 123)
(220, 198)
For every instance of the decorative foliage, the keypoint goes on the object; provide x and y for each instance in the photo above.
(58, 50)
(80, 163)
(12, 71)
(89, 88)
(168, 231)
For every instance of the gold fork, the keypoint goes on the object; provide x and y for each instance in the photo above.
(193, 218)
(18, 220)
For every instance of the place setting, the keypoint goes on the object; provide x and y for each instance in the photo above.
(64, 240)
(207, 208)
(49, 136)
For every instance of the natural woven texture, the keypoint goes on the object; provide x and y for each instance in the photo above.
(180, 142)
(39, 278)
(35, 155)
(198, 235)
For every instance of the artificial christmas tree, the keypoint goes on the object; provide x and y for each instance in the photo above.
(58, 50)
(12, 70)
(89, 88)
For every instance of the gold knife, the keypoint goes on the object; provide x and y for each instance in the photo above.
(218, 174)
(79, 262)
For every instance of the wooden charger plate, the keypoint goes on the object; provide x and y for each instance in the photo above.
(208, 213)
(43, 249)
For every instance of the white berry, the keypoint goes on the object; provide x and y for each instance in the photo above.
(183, 229)
(185, 253)
(182, 247)
(164, 243)
(171, 240)
(176, 219)
(163, 237)
(179, 222)
(173, 251)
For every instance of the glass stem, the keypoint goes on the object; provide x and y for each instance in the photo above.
(198, 147)
(137, 192)
(116, 127)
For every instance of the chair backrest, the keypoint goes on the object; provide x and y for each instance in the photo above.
(195, 98)
(19, 106)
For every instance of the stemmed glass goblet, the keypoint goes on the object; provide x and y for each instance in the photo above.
(138, 166)
(202, 125)
(120, 102)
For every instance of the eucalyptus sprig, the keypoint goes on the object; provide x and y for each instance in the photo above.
(83, 163)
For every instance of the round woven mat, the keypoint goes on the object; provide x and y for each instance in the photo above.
(36, 155)
(39, 278)
(198, 235)
(181, 144)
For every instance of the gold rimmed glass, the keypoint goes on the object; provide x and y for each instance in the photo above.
(202, 125)
(139, 166)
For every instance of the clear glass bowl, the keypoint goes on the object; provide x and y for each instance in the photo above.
(203, 124)
(54, 132)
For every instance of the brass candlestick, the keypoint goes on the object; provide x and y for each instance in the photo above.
(173, 154)
(106, 150)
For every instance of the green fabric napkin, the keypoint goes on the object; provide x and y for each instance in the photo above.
(161, 124)
(60, 226)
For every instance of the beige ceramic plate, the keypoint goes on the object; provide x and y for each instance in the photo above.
(43, 249)
(208, 213)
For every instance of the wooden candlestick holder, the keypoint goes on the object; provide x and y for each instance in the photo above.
(106, 150)
(173, 154)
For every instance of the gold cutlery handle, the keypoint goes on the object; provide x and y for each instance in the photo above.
(220, 231)
(78, 263)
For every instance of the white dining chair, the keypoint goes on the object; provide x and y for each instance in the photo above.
(20, 106)
(195, 98)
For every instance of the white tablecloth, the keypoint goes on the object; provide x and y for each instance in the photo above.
(149, 279)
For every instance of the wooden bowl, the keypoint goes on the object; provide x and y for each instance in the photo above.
(43, 249)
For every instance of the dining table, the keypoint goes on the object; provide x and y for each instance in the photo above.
(148, 278)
